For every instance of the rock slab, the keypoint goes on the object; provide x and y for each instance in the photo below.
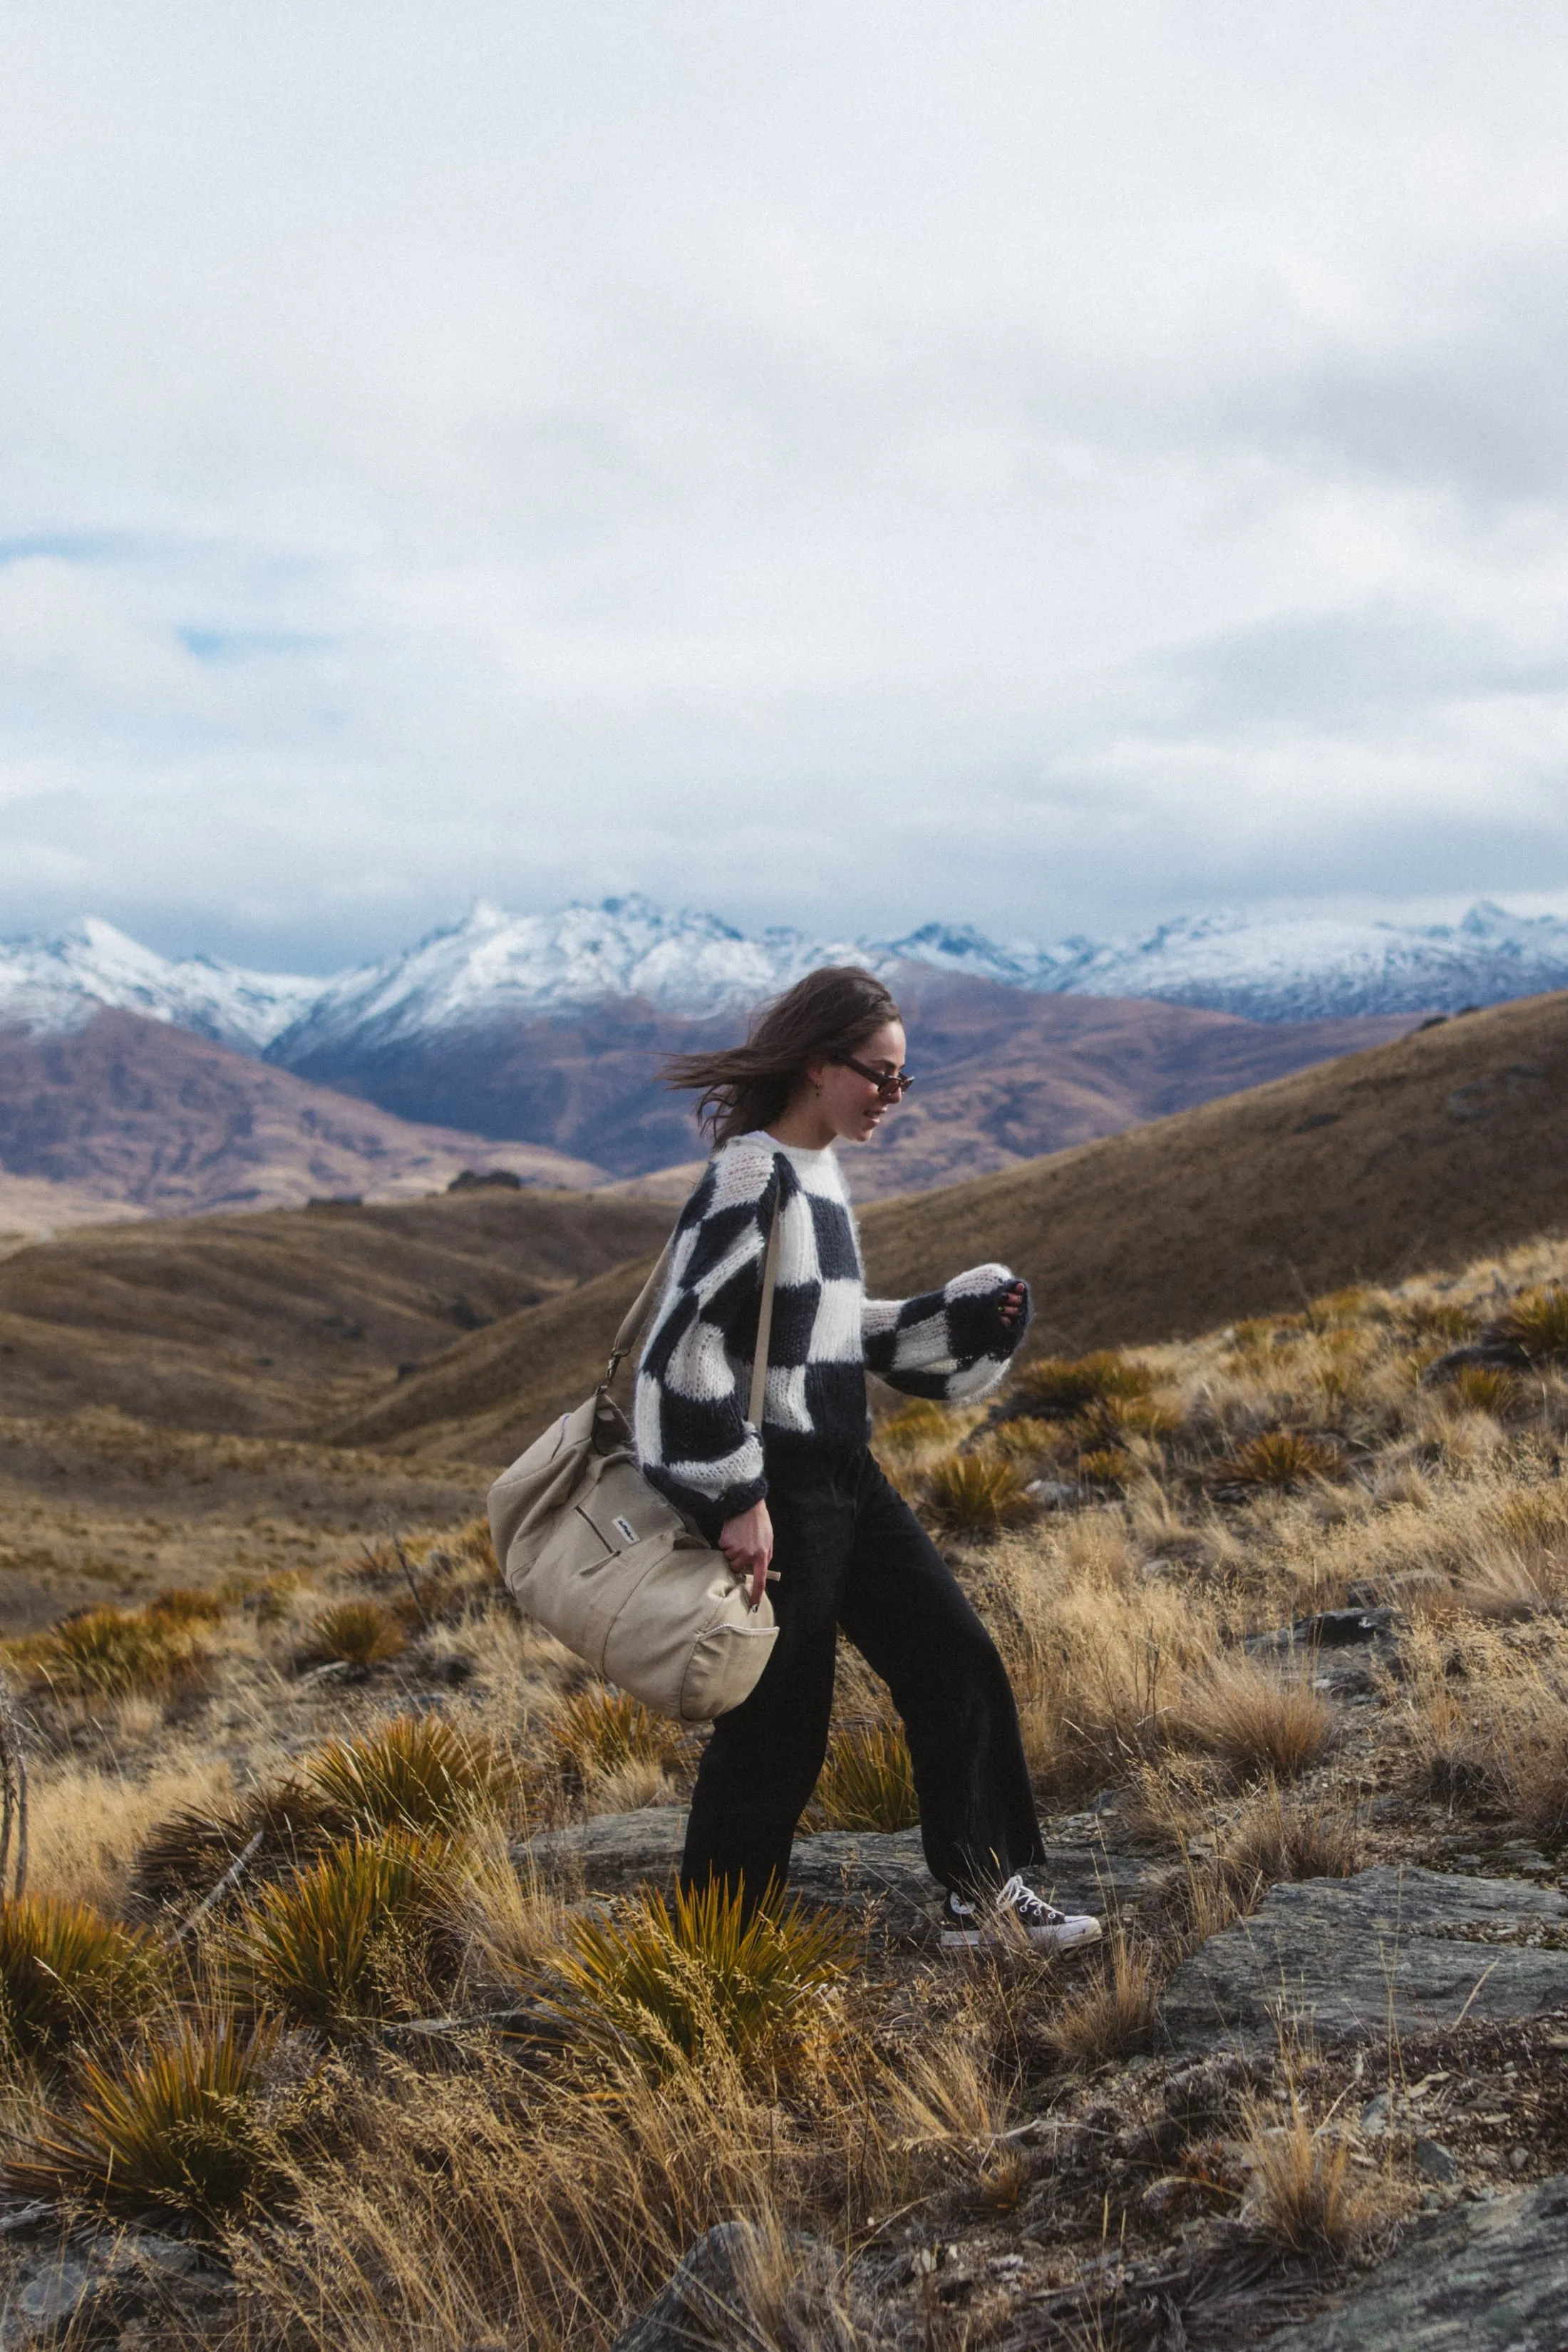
(855, 1869)
(1394, 1950)
(1484, 2278)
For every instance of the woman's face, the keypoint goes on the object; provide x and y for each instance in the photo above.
(850, 1103)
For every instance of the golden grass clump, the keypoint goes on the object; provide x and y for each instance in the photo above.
(413, 1772)
(1057, 1387)
(1115, 2013)
(110, 1653)
(68, 1974)
(181, 1857)
(353, 1633)
(867, 1782)
(977, 1495)
(1485, 1388)
(1537, 1320)
(670, 1983)
(1278, 1458)
(1305, 2191)
(184, 1605)
(177, 2129)
(353, 1939)
(605, 1739)
(1255, 1721)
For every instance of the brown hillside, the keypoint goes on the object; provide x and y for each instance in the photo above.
(1417, 1154)
(130, 1117)
(262, 1323)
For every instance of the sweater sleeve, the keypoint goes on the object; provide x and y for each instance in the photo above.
(693, 1441)
(952, 1343)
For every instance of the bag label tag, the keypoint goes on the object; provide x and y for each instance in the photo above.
(624, 1527)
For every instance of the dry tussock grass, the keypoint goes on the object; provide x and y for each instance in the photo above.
(467, 2198)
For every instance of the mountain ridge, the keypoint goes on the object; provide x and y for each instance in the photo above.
(694, 965)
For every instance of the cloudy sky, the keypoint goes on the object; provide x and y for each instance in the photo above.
(1045, 466)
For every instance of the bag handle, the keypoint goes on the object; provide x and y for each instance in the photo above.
(642, 1304)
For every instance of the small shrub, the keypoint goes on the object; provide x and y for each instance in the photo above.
(867, 1782)
(69, 1974)
(110, 1653)
(352, 1939)
(1057, 1387)
(183, 1605)
(416, 1772)
(599, 1732)
(1110, 1421)
(183, 1858)
(667, 1984)
(1255, 1721)
(353, 1633)
(1537, 1321)
(1274, 1841)
(1279, 1458)
(1113, 2015)
(177, 2131)
(977, 1495)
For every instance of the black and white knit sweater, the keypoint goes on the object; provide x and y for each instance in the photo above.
(692, 1438)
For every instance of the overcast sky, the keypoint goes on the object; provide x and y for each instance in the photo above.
(1049, 467)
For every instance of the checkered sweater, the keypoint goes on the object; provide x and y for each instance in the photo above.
(692, 1438)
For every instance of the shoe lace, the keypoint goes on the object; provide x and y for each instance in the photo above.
(1029, 1906)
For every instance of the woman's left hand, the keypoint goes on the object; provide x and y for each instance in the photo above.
(1010, 1306)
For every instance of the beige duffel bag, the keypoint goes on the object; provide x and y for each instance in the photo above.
(603, 1561)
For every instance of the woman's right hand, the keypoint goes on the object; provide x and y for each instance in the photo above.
(747, 1543)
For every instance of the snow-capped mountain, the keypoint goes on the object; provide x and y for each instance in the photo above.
(493, 966)
(59, 983)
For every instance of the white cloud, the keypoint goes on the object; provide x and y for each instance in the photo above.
(1033, 463)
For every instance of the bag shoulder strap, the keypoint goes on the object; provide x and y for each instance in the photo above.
(642, 1304)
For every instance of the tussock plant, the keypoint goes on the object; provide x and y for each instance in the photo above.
(921, 1422)
(1305, 2192)
(177, 2131)
(1105, 1465)
(977, 1495)
(1537, 1321)
(185, 1606)
(1113, 2015)
(68, 1974)
(600, 1732)
(673, 1982)
(1255, 1721)
(352, 1939)
(353, 1633)
(183, 1858)
(415, 1772)
(1485, 1388)
(1057, 1387)
(867, 1782)
(110, 1653)
(1280, 1458)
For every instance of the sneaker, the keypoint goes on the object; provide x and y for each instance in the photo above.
(964, 1929)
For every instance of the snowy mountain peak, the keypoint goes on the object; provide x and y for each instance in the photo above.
(495, 964)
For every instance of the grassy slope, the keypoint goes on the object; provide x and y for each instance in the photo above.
(263, 1323)
(1420, 1153)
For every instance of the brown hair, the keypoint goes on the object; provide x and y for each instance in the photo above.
(827, 1014)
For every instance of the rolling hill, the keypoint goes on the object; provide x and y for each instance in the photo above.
(1419, 1154)
(124, 1117)
(265, 1324)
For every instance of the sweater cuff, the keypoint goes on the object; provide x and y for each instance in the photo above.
(709, 1513)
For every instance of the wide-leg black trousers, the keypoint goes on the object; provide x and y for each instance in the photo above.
(852, 1553)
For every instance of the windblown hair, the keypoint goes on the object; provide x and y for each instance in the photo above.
(830, 1012)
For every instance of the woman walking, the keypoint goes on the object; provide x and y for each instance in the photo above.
(800, 1502)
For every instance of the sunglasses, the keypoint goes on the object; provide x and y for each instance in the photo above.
(889, 1084)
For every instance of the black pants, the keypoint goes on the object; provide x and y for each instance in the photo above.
(850, 1553)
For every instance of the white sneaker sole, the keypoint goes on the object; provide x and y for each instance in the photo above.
(1063, 1938)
